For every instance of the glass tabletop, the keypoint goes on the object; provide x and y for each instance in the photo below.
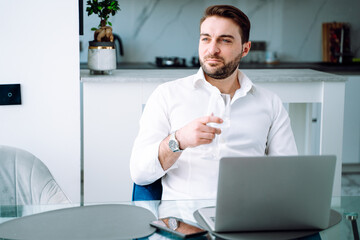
(347, 206)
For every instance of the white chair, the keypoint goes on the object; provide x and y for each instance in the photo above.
(25, 180)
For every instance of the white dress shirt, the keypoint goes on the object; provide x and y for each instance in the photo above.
(258, 125)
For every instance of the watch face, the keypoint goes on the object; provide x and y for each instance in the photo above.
(173, 224)
(173, 145)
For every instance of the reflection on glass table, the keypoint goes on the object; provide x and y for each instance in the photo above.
(347, 206)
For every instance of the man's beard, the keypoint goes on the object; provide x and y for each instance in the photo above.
(224, 71)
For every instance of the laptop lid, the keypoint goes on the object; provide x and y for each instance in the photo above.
(274, 193)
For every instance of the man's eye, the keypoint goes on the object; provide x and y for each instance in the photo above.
(226, 41)
(205, 39)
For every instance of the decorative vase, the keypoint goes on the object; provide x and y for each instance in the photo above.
(101, 57)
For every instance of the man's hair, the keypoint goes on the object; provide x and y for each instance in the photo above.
(233, 13)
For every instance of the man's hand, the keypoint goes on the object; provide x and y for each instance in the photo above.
(197, 132)
(193, 134)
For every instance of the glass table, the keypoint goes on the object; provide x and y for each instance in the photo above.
(347, 206)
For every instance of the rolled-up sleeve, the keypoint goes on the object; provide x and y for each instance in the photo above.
(145, 167)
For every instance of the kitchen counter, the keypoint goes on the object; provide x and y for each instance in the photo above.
(342, 69)
(257, 76)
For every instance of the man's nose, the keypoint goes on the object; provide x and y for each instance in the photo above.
(213, 48)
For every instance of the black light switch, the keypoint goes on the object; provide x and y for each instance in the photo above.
(10, 94)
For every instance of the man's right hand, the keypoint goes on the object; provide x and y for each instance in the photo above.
(198, 132)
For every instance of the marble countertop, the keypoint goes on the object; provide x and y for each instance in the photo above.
(336, 68)
(256, 75)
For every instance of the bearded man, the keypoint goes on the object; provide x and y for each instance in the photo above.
(189, 124)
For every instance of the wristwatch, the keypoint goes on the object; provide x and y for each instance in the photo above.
(173, 224)
(174, 144)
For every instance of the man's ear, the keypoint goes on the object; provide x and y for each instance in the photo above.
(246, 48)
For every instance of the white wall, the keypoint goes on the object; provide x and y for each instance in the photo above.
(40, 50)
(171, 28)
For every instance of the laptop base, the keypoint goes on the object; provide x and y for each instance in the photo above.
(335, 218)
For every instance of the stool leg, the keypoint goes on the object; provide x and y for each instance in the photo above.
(355, 229)
(352, 217)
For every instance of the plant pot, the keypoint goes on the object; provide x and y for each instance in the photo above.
(101, 57)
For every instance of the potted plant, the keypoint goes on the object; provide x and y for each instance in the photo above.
(101, 53)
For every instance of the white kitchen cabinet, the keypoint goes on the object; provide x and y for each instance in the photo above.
(351, 144)
(111, 115)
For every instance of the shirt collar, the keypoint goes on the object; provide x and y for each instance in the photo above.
(199, 78)
(245, 83)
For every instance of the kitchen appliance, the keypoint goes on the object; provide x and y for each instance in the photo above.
(164, 62)
(195, 62)
(119, 46)
(257, 52)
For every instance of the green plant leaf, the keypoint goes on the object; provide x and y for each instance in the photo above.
(103, 9)
(94, 29)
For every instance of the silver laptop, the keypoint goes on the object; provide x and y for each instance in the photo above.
(272, 193)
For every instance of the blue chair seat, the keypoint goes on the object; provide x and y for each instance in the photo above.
(152, 191)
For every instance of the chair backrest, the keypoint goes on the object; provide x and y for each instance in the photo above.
(24, 179)
(152, 191)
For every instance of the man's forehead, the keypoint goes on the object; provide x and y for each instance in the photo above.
(219, 26)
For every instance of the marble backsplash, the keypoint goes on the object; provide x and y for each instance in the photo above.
(291, 28)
